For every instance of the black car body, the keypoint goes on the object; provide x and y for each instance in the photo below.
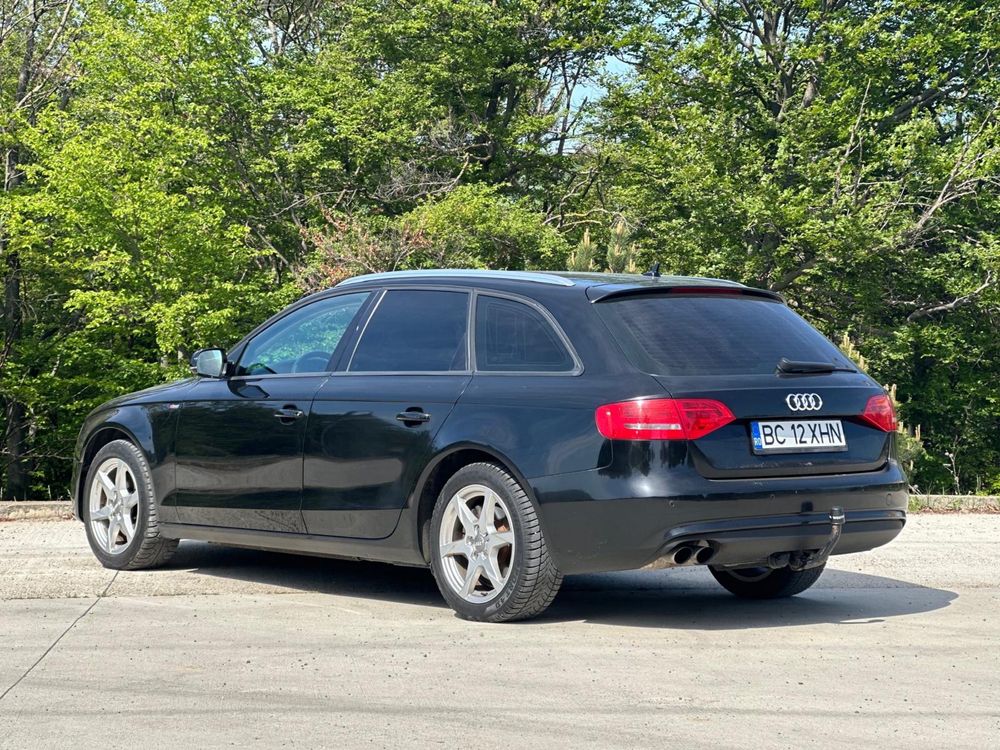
(345, 453)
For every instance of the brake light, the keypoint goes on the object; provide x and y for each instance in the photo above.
(662, 418)
(879, 412)
(737, 291)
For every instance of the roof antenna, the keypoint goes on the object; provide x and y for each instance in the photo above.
(654, 271)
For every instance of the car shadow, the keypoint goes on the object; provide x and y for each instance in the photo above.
(684, 598)
(689, 598)
(321, 575)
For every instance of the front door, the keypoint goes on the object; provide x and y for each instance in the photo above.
(240, 439)
(239, 452)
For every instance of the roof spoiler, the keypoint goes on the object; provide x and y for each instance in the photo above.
(604, 292)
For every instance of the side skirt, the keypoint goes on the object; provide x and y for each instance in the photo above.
(375, 550)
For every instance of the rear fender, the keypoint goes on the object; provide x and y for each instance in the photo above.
(437, 472)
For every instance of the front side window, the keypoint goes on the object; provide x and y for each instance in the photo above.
(415, 331)
(514, 337)
(303, 341)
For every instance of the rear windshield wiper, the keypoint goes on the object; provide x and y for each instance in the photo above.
(789, 365)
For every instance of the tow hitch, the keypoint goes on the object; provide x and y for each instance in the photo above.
(804, 559)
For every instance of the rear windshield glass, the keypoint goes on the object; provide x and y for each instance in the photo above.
(713, 335)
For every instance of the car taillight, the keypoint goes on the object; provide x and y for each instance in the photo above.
(662, 418)
(880, 413)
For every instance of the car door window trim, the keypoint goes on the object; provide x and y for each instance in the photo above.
(546, 315)
(268, 375)
(341, 367)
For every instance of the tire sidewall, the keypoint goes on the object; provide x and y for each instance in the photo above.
(140, 470)
(488, 476)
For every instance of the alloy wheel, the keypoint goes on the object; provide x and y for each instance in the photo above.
(476, 543)
(114, 506)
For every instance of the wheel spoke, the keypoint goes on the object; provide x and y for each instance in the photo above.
(487, 517)
(121, 478)
(130, 501)
(491, 567)
(471, 578)
(501, 539)
(465, 516)
(106, 483)
(127, 527)
(101, 514)
(455, 548)
(112, 533)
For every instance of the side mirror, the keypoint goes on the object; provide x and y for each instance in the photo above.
(209, 363)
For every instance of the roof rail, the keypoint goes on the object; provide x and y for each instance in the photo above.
(474, 273)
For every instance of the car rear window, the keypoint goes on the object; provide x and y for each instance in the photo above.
(713, 334)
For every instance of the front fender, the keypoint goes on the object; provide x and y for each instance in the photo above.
(149, 426)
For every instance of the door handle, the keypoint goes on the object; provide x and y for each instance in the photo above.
(415, 417)
(288, 414)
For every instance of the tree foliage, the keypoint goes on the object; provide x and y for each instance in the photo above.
(847, 155)
(175, 171)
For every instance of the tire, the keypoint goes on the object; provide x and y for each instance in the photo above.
(763, 583)
(119, 510)
(509, 549)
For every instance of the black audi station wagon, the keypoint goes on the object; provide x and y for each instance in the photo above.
(507, 429)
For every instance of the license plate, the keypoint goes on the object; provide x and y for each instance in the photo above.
(798, 436)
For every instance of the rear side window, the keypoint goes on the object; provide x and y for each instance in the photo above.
(415, 331)
(713, 335)
(514, 337)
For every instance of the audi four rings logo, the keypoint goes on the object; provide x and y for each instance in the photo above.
(804, 401)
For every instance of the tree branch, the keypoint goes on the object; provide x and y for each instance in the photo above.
(956, 303)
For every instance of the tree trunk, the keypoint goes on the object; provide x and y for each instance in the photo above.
(17, 484)
(14, 435)
(15, 442)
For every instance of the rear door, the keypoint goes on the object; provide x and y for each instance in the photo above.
(726, 346)
(372, 425)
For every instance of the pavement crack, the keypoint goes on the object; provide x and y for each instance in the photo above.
(62, 635)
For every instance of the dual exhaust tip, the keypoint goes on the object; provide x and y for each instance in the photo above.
(698, 553)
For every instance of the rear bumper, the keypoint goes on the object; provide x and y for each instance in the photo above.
(610, 525)
(749, 541)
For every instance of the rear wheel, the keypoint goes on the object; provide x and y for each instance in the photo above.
(767, 583)
(119, 510)
(488, 552)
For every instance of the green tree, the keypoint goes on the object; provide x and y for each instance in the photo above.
(175, 171)
(201, 162)
(34, 39)
(846, 154)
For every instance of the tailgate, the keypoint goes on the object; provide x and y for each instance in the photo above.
(787, 425)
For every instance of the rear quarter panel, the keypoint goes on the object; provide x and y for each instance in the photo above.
(544, 423)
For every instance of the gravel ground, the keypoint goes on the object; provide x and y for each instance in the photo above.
(898, 647)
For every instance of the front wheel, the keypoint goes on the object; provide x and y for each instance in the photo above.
(767, 583)
(488, 553)
(119, 510)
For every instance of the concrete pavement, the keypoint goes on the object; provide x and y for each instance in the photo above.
(899, 647)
